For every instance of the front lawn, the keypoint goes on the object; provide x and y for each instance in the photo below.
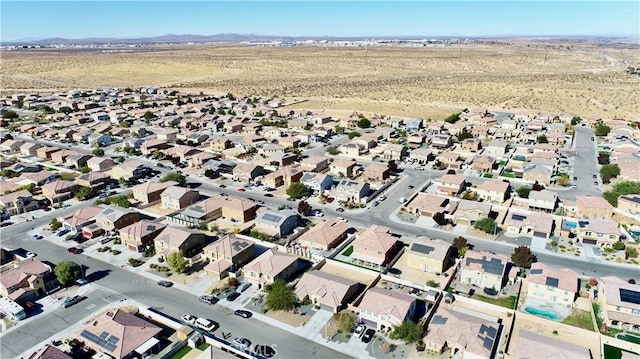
(507, 302)
(348, 251)
(488, 175)
(581, 319)
(509, 175)
(182, 352)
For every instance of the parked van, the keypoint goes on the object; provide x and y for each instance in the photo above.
(206, 324)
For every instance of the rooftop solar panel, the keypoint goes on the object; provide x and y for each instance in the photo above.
(271, 218)
(518, 217)
(629, 296)
(552, 282)
(421, 248)
(438, 319)
(536, 271)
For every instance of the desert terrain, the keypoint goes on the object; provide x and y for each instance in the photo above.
(428, 82)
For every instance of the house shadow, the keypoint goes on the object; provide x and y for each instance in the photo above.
(97, 275)
(193, 185)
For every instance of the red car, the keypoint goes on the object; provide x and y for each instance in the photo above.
(329, 200)
(241, 189)
(75, 250)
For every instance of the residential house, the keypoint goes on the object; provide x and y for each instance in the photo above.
(328, 291)
(620, 307)
(543, 200)
(100, 163)
(376, 173)
(535, 224)
(227, 254)
(95, 180)
(594, 207)
(247, 172)
(351, 191)
(601, 233)
(342, 168)
(199, 213)
(374, 247)
(178, 197)
(140, 235)
(283, 176)
(325, 235)
(99, 139)
(395, 152)
(80, 218)
(276, 223)
(352, 149)
(629, 203)
(450, 184)
(48, 351)
(78, 161)
(317, 182)
(168, 135)
(469, 212)
(552, 285)
(220, 144)
(25, 281)
(130, 168)
(534, 345)
(493, 191)
(433, 256)
(18, 202)
(441, 141)
(496, 148)
(314, 163)
(120, 334)
(464, 334)
(471, 145)
(29, 149)
(58, 191)
(383, 309)
(450, 159)
(537, 173)
(172, 239)
(148, 193)
(11, 146)
(428, 205)
(149, 147)
(422, 155)
(240, 210)
(483, 163)
(46, 152)
(484, 270)
(114, 218)
(269, 266)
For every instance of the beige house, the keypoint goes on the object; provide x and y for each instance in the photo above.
(325, 235)
(240, 210)
(376, 172)
(594, 207)
(537, 173)
(269, 266)
(543, 200)
(18, 202)
(374, 247)
(466, 335)
(433, 256)
(551, 285)
(619, 307)
(247, 172)
(178, 197)
(601, 233)
(227, 254)
(351, 191)
(450, 184)
(383, 309)
(25, 280)
(199, 212)
(484, 270)
(283, 176)
(59, 190)
(140, 234)
(172, 239)
(469, 212)
(535, 224)
(100, 163)
(80, 218)
(426, 204)
(329, 291)
(629, 203)
(114, 218)
(493, 191)
(534, 345)
(483, 163)
(149, 192)
(314, 163)
(342, 168)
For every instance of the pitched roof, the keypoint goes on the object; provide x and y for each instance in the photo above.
(375, 240)
(381, 301)
(270, 263)
(49, 352)
(561, 278)
(534, 345)
(142, 228)
(23, 271)
(494, 186)
(175, 192)
(328, 288)
(83, 215)
(325, 232)
(150, 187)
(593, 202)
(241, 204)
(485, 262)
(229, 246)
(175, 236)
(434, 248)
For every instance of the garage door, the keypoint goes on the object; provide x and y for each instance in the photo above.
(369, 323)
(540, 234)
(326, 307)
(589, 241)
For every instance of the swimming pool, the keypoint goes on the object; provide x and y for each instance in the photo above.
(570, 224)
(628, 337)
(543, 313)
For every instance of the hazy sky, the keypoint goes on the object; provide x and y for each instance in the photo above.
(79, 19)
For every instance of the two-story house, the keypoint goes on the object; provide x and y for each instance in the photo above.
(383, 309)
(619, 303)
(227, 254)
(374, 247)
(269, 266)
(484, 270)
(178, 197)
(552, 285)
(328, 291)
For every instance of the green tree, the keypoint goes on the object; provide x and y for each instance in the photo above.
(459, 242)
(98, 152)
(453, 118)
(523, 191)
(157, 155)
(280, 296)
(10, 115)
(148, 115)
(464, 135)
(55, 224)
(487, 225)
(84, 193)
(346, 322)
(304, 208)
(354, 134)
(608, 172)
(120, 201)
(67, 272)
(602, 130)
(523, 257)
(175, 176)
(542, 139)
(575, 120)
(332, 150)
(84, 169)
(340, 130)
(7, 173)
(611, 197)
(563, 181)
(177, 262)
(124, 124)
(408, 331)
(364, 123)
(631, 252)
(619, 245)
(297, 190)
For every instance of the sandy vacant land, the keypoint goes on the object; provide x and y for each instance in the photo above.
(425, 82)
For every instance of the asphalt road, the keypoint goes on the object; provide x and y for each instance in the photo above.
(130, 285)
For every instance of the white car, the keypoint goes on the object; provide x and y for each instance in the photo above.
(340, 219)
(189, 319)
(359, 330)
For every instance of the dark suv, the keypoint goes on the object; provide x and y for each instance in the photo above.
(75, 250)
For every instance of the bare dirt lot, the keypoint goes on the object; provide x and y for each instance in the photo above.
(427, 82)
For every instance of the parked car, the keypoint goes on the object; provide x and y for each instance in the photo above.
(575, 178)
(36, 236)
(410, 186)
(209, 299)
(340, 219)
(165, 283)
(206, 324)
(368, 335)
(75, 250)
(244, 287)
(241, 189)
(106, 240)
(329, 200)
(189, 319)
(233, 296)
(376, 203)
(69, 301)
(339, 209)
(243, 343)
(223, 186)
(243, 313)
(268, 195)
(359, 330)
(62, 232)
(595, 176)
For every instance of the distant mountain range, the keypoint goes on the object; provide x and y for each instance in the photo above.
(237, 38)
